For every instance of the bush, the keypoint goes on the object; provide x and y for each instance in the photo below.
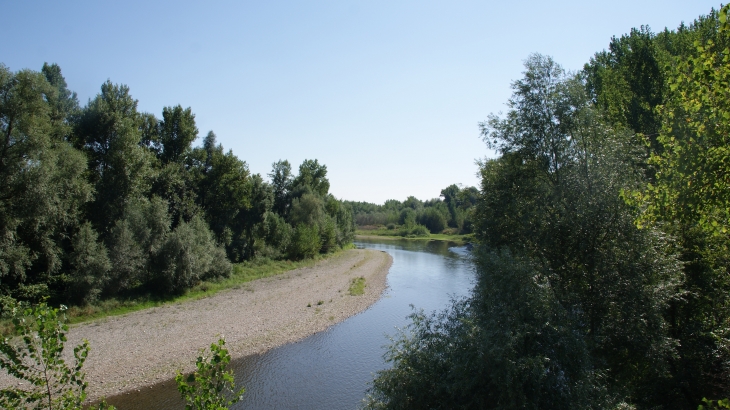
(189, 255)
(420, 231)
(90, 265)
(278, 235)
(305, 242)
(434, 220)
(407, 217)
(491, 351)
(206, 388)
(38, 361)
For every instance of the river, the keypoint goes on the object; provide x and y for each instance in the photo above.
(332, 369)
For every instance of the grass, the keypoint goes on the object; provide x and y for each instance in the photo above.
(394, 234)
(357, 287)
(240, 275)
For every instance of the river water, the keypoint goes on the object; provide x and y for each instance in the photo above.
(332, 369)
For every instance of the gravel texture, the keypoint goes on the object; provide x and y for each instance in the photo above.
(141, 348)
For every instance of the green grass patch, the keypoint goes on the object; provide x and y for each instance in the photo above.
(357, 287)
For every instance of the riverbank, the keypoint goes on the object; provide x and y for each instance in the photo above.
(138, 349)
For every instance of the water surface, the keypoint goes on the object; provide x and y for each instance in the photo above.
(332, 369)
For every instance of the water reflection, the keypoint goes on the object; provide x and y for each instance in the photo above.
(332, 369)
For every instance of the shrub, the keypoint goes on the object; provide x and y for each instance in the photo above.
(38, 360)
(206, 388)
(188, 255)
(434, 220)
(305, 242)
(90, 265)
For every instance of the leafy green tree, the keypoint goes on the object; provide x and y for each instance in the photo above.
(407, 217)
(207, 387)
(692, 168)
(281, 181)
(689, 199)
(305, 242)
(134, 241)
(64, 106)
(262, 200)
(38, 360)
(109, 130)
(432, 219)
(627, 81)
(308, 209)
(177, 133)
(90, 266)
(554, 196)
(188, 255)
(312, 178)
(224, 186)
(277, 234)
(42, 186)
(451, 197)
(492, 351)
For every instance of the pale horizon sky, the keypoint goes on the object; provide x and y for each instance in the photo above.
(387, 94)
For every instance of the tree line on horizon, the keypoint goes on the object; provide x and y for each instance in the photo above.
(453, 214)
(603, 270)
(104, 201)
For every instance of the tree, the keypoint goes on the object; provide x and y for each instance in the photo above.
(109, 130)
(42, 186)
(90, 266)
(627, 81)
(224, 190)
(692, 168)
(689, 199)
(64, 106)
(177, 133)
(206, 388)
(312, 177)
(38, 360)
(281, 181)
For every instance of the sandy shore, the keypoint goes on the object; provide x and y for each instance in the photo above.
(142, 348)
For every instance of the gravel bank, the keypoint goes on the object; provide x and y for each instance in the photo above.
(142, 348)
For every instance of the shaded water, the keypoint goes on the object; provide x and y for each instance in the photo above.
(332, 369)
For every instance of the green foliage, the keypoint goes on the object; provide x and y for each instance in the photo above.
(90, 265)
(570, 168)
(492, 351)
(692, 167)
(432, 219)
(41, 181)
(572, 305)
(207, 387)
(714, 404)
(627, 81)
(312, 178)
(305, 242)
(277, 234)
(688, 198)
(109, 131)
(454, 211)
(106, 202)
(38, 361)
(188, 255)
(281, 180)
(177, 133)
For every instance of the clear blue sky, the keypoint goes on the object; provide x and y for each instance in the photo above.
(387, 94)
